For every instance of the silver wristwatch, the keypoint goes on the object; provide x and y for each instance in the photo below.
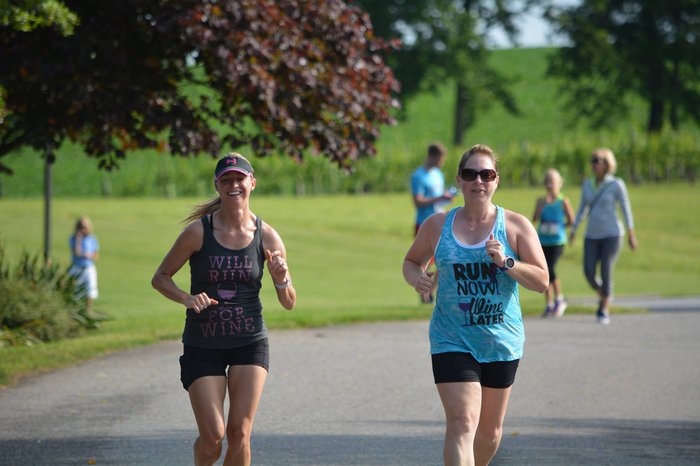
(508, 264)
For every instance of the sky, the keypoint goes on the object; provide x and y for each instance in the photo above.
(534, 30)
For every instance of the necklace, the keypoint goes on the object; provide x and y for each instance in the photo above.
(471, 226)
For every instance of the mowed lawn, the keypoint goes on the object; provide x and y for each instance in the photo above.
(345, 255)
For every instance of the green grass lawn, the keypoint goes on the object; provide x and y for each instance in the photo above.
(345, 255)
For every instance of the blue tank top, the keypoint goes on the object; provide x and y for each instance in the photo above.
(234, 279)
(552, 230)
(477, 309)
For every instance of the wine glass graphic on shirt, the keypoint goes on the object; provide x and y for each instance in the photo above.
(226, 290)
(465, 307)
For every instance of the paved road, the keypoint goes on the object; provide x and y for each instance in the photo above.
(586, 394)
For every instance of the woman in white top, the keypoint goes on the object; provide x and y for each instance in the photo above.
(600, 196)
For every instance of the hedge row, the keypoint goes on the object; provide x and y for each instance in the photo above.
(641, 159)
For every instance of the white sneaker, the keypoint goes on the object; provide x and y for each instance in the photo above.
(559, 307)
(602, 317)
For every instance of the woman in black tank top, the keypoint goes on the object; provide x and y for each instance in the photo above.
(226, 245)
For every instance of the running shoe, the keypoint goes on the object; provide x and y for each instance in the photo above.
(548, 311)
(559, 307)
(602, 316)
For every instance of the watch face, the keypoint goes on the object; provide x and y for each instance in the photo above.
(510, 262)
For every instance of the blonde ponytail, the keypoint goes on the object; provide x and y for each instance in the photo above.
(203, 209)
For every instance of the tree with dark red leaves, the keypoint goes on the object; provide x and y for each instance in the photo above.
(191, 77)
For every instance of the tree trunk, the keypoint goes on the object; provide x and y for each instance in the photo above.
(656, 115)
(675, 87)
(673, 115)
(655, 74)
(48, 161)
(460, 114)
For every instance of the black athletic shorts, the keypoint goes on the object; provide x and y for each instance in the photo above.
(462, 367)
(200, 362)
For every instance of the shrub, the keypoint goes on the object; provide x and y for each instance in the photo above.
(31, 313)
(39, 303)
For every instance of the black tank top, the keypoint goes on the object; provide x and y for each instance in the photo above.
(233, 278)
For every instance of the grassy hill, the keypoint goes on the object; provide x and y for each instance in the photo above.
(429, 117)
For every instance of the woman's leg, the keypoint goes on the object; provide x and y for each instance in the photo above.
(462, 404)
(549, 292)
(549, 295)
(494, 402)
(610, 250)
(556, 288)
(207, 399)
(245, 386)
(591, 256)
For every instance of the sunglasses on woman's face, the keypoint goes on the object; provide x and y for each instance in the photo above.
(486, 175)
(596, 160)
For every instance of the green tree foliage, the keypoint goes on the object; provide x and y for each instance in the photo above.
(622, 48)
(445, 41)
(188, 77)
(25, 15)
(30, 14)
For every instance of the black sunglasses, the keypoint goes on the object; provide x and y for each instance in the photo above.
(597, 160)
(487, 174)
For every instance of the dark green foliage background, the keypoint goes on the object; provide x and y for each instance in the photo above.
(528, 144)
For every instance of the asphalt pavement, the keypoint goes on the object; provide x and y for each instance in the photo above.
(586, 394)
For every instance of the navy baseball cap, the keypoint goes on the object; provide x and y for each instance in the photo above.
(233, 162)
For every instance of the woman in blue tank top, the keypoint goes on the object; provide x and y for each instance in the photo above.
(553, 213)
(225, 345)
(482, 252)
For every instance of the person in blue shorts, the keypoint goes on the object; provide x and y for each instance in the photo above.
(600, 196)
(85, 251)
(553, 213)
(482, 253)
(225, 345)
(428, 191)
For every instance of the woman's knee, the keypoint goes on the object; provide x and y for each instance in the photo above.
(489, 434)
(210, 442)
(462, 424)
(238, 435)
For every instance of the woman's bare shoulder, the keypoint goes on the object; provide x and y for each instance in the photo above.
(517, 220)
(436, 220)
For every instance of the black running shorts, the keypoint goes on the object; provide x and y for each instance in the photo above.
(201, 362)
(462, 367)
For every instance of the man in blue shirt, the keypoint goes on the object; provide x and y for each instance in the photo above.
(428, 190)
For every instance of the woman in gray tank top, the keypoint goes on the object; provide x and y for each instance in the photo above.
(225, 340)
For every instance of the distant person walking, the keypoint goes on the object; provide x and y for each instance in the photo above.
(429, 194)
(600, 196)
(84, 252)
(553, 213)
(482, 252)
(226, 246)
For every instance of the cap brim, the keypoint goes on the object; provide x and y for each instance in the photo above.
(233, 169)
